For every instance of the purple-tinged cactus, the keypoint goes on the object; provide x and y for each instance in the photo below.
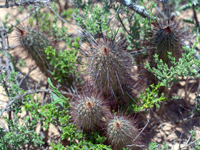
(167, 36)
(110, 68)
(120, 132)
(35, 43)
(89, 112)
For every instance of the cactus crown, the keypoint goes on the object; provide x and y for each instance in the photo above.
(30, 38)
(120, 132)
(88, 112)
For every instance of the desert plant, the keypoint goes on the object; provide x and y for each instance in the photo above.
(148, 99)
(17, 133)
(167, 36)
(111, 42)
(60, 65)
(120, 132)
(89, 112)
(168, 76)
(109, 67)
(35, 43)
(155, 146)
(109, 64)
(64, 63)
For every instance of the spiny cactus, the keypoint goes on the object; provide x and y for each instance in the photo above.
(110, 67)
(89, 112)
(167, 37)
(59, 65)
(35, 43)
(120, 132)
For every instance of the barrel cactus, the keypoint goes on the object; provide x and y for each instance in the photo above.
(89, 112)
(120, 132)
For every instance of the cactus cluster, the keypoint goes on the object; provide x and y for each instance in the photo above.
(90, 112)
(110, 68)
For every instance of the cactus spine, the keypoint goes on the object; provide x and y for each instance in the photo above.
(110, 67)
(88, 112)
(35, 43)
(120, 132)
(167, 37)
